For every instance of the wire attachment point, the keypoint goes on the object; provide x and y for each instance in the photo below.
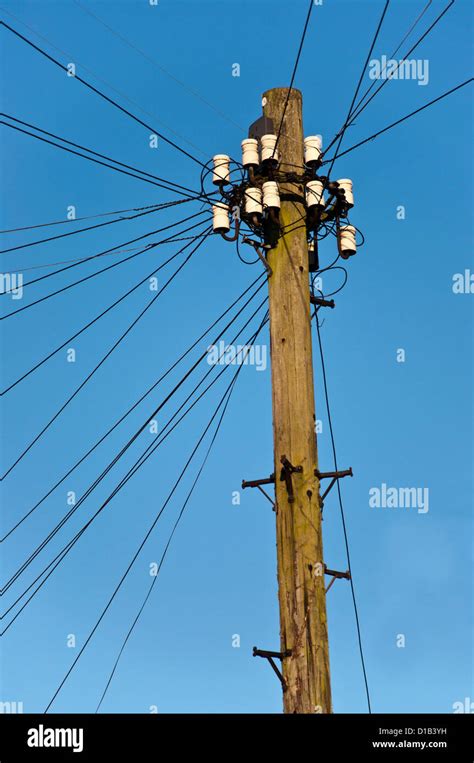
(260, 254)
(320, 302)
(258, 484)
(271, 656)
(334, 476)
(335, 574)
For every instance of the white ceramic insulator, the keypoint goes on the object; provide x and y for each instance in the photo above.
(253, 201)
(250, 152)
(268, 148)
(221, 169)
(347, 185)
(347, 240)
(312, 148)
(220, 217)
(271, 195)
(314, 194)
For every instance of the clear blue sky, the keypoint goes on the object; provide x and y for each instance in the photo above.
(402, 424)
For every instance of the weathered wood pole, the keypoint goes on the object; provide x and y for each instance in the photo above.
(302, 598)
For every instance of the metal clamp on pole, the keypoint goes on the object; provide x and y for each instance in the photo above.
(320, 302)
(335, 574)
(285, 476)
(333, 476)
(258, 484)
(270, 656)
(263, 259)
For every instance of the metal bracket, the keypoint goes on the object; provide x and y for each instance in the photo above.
(334, 476)
(322, 302)
(260, 254)
(270, 657)
(258, 484)
(285, 476)
(335, 574)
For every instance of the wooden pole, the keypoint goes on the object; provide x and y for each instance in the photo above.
(302, 598)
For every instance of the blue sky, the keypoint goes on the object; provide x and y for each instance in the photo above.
(403, 424)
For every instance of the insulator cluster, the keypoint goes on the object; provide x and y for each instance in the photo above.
(255, 197)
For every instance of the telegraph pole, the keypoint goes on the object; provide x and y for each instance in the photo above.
(302, 598)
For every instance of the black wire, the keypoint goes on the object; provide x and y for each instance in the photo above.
(98, 272)
(79, 260)
(351, 579)
(112, 349)
(101, 94)
(318, 331)
(173, 238)
(152, 446)
(346, 124)
(415, 23)
(150, 589)
(142, 458)
(84, 68)
(94, 320)
(143, 542)
(104, 473)
(83, 230)
(103, 164)
(336, 291)
(82, 260)
(85, 217)
(160, 67)
(356, 112)
(308, 16)
(78, 535)
(358, 230)
(226, 196)
(403, 119)
(359, 111)
(246, 262)
(135, 405)
(175, 526)
(90, 151)
(327, 269)
(92, 487)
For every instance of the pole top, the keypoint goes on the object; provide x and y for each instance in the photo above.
(295, 93)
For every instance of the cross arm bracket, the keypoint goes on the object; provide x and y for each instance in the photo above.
(271, 656)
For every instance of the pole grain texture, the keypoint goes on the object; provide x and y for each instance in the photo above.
(301, 582)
